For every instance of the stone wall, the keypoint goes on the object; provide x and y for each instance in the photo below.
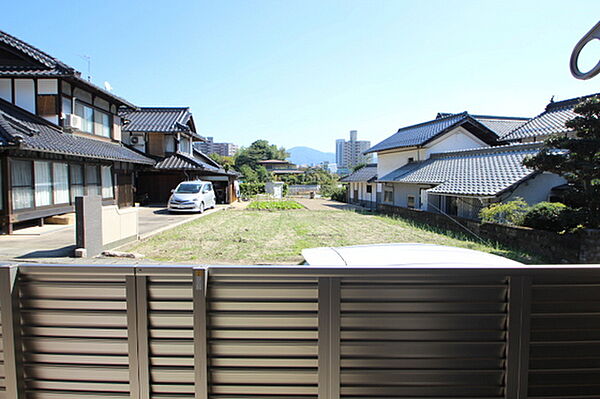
(582, 247)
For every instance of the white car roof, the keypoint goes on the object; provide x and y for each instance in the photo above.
(402, 254)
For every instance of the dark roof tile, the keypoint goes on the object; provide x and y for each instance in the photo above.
(366, 174)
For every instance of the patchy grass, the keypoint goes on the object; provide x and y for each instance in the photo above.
(274, 205)
(255, 237)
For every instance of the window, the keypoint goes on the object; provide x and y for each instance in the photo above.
(67, 106)
(451, 206)
(92, 181)
(101, 123)
(184, 145)
(388, 193)
(43, 183)
(169, 143)
(22, 184)
(87, 114)
(107, 182)
(76, 175)
(411, 160)
(410, 201)
(60, 177)
(369, 189)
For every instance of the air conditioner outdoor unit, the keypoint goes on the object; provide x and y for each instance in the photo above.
(135, 140)
(73, 122)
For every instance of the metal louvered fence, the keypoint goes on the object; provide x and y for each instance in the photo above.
(299, 332)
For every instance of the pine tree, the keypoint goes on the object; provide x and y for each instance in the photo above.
(576, 157)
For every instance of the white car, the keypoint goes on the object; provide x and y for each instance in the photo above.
(192, 196)
(408, 254)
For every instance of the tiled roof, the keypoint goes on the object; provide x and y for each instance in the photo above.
(38, 55)
(158, 119)
(48, 67)
(479, 172)
(365, 174)
(180, 161)
(552, 120)
(420, 134)
(500, 125)
(19, 128)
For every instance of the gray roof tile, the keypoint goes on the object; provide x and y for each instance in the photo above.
(180, 161)
(479, 172)
(365, 174)
(158, 119)
(487, 128)
(26, 131)
(552, 120)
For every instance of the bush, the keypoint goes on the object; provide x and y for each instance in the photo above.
(274, 205)
(251, 189)
(511, 212)
(552, 216)
(338, 194)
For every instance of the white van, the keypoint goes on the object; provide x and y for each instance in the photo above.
(192, 196)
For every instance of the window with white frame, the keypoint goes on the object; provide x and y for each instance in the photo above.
(107, 182)
(101, 123)
(410, 201)
(21, 184)
(60, 177)
(43, 183)
(184, 145)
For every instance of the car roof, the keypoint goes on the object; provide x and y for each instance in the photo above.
(194, 181)
(402, 254)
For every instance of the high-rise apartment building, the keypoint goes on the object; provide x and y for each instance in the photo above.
(223, 149)
(350, 153)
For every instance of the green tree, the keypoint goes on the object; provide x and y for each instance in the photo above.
(250, 176)
(576, 157)
(226, 162)
(260, 150)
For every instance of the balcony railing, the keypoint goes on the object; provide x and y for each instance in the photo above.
(299, 332)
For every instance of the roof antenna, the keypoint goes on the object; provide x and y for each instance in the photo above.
(89, 65)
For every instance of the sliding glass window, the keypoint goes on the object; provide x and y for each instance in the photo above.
(92, 180)
(76, 175)
(43, 183)
(107, 182)
(22, 184)
(60, 176)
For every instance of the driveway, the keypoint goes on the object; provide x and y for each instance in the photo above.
(51, 242)
(322, 204)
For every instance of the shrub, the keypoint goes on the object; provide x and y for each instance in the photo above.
(251, 189)
(339, 194)
(552, 216)
(511, 212)
(274, 205)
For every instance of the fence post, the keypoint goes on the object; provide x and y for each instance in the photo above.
(329, 338)
(141, 293)
(200, 285)
(519, 323)
(132, 336)
(11, 337)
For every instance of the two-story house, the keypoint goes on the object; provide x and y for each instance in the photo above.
(167, 135)
(60, 137)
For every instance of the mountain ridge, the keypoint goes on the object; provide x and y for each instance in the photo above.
(302, 155)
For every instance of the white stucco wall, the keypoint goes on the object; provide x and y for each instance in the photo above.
(457, 139)
(388, 162)
(118, 223)
(536, 189)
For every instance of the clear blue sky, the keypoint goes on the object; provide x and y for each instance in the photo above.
(307, 72)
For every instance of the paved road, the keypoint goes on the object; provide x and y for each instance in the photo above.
(59, 244)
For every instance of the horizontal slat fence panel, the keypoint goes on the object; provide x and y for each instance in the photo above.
(299, 332)
(170, 334)
(409, 338)
(263, 337)
(74, 333)
(565, 339)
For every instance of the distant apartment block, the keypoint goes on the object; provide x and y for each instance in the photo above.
(349, 153)
(223, 149)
